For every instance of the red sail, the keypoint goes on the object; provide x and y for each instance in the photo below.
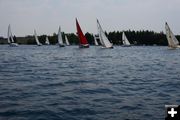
(82, 38)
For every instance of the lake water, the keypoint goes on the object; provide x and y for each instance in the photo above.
(52, 83)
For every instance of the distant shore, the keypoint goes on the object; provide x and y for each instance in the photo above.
(115, 37)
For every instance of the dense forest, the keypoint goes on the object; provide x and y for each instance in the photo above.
(134, 37)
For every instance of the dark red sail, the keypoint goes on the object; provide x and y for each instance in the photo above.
(82, 38)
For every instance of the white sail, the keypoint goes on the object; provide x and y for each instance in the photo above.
(172, 40)
(103, 39)
(36, 38)
(60, 40)
(47, 41)
(125, 40)
(10, 36)
(95, 41)
(67, 41)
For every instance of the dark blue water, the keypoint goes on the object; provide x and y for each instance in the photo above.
(52, 83)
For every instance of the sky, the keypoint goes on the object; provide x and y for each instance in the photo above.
(47, 15)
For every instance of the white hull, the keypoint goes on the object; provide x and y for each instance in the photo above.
(61, 45)
(84, 46)
(13, 44)
(107, 47)
(39, 45)
(176, 47)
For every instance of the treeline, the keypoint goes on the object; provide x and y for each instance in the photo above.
(134, 37)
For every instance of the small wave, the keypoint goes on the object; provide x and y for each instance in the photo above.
(96, 91)
(80, 111)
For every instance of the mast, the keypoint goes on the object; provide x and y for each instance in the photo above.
(123, 38)
(99, 32)
(8, 34)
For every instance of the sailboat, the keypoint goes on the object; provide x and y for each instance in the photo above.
(95, 40)
(47, 41)
(10, 38)
(125, 41)
(172, 40)
(103, 39)
(83, 43)
(36, 38)
(67, 41)
(60, 40)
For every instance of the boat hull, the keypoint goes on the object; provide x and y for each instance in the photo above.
(174, 47)
(13, 44)
(108, 47)
(60, 45)
(125, 45)
(39, 44)
(84, 46)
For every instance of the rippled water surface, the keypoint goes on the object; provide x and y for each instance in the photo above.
(52, 83)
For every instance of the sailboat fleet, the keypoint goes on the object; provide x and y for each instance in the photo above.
(173, 43)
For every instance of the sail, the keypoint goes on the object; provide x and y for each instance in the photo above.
(95, 40)
(60, 40)
(103, 39)
(125, 40)
(36, 38)
(67, 41)
(172, 40)
(10, 36)
(47, 41)
(82, 38)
